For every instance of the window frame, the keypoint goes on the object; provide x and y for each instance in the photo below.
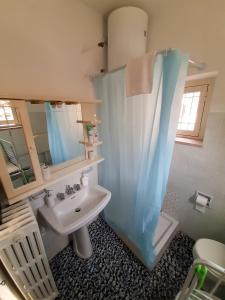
(205, 86)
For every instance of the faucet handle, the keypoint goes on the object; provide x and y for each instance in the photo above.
(76, 187)
(69, 190)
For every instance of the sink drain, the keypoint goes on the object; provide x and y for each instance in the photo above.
(77, 209)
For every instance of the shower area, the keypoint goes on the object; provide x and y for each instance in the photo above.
(139, 119)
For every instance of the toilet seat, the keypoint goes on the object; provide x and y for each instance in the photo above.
(210, 250)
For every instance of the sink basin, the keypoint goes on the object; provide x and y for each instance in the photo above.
(77, 210)
(73, 214)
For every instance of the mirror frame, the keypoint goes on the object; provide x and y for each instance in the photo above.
(4, 176)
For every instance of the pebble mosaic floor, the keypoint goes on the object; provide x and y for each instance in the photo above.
(113, 272)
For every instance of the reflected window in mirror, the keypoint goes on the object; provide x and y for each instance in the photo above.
(56, 133)
(8, 115)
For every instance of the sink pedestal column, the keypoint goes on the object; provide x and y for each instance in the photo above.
(82, 243)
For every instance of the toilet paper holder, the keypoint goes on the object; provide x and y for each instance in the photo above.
(207, 196)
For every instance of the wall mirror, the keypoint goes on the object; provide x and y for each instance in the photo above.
(57, 132)
(18, 160)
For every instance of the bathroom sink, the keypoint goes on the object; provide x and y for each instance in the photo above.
(77, 210)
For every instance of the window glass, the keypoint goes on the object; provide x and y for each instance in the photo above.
(188, 112)
(6, 114)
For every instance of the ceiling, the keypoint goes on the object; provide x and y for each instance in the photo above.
(106, 6)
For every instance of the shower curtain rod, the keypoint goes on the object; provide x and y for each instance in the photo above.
(199, 66)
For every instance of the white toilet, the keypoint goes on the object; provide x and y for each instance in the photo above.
(210, 250)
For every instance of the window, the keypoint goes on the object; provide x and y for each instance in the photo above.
(8, 117)
(6, 114)
(194, 108)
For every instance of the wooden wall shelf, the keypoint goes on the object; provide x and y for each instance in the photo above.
(88, 144)
(55, 101)
(85, 122)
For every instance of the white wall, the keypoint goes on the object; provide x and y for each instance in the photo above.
(47, 48)
(197, 27)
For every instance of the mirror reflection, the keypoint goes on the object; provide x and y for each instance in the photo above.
(57, 132)
(13, 146)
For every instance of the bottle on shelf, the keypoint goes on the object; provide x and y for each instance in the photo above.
(92, 132)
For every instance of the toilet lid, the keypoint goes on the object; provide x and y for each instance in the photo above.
(210, 250)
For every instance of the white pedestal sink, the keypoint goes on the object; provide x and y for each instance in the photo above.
(73, 214)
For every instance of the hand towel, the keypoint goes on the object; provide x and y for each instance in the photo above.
(139, 75)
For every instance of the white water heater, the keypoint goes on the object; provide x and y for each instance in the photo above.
(127, 35)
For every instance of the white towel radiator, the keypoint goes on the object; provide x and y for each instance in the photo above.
(23, 254)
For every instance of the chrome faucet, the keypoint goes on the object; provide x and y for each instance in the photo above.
(69, 190)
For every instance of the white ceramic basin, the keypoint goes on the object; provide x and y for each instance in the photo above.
(77, 210)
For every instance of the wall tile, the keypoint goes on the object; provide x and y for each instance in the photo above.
(200, 168)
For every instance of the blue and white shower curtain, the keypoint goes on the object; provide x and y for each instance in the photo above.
(63, 132)
(138, 134)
